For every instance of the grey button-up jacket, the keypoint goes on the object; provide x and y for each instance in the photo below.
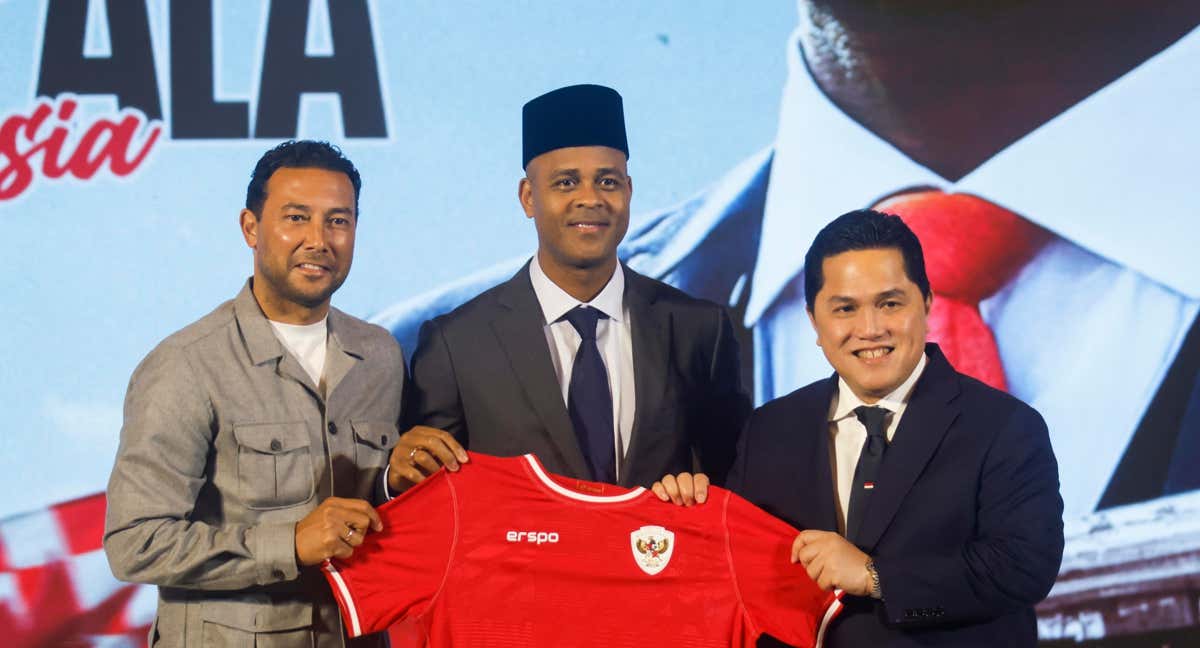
(226, 444)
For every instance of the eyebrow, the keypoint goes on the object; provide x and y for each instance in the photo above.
(306, 209)
(894, 292)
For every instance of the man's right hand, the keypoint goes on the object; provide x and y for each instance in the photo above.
(419, 453)
(334, 529)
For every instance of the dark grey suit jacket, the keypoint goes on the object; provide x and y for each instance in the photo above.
(483, 373)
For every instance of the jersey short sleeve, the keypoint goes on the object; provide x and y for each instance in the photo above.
(397, 573)
(779, 597)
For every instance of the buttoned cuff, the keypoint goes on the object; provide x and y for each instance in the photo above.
(275, 552)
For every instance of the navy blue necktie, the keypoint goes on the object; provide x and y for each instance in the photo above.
(869, 460)
(589, 401)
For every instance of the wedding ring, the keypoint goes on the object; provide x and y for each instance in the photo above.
(350, 533)
(412, 456)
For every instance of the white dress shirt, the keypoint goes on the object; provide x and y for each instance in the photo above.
(613, 338)
(847, 434)
(1101, 309)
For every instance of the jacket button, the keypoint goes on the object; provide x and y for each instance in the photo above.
(276, 573)
(383, 439)
(276, 445)
(332, 428)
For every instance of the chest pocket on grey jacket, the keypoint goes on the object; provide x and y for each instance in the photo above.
(373, 442)
(274, 464)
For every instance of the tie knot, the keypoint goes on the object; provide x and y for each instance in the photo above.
(584, 319)
(872, 418)
(972, 247)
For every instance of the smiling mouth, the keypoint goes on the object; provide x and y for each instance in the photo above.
(873, 353)
(312, 267)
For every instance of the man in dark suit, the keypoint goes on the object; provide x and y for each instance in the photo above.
(930, 498)
(603, 373)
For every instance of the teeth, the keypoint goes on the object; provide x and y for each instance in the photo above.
(311, 266)
(871, 354)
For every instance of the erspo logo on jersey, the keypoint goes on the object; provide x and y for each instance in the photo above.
(652, 548)
(532, 537)
(54, 136)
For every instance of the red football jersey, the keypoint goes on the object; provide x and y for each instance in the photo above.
(502, 553)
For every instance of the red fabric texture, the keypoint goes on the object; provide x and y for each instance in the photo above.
(973, 248)
(447, 570)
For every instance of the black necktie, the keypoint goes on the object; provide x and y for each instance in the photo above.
(589, 401)
(869, 460)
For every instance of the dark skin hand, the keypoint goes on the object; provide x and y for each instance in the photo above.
(334, 529)
(419, 453)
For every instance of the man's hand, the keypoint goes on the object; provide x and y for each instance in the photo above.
(419, 453)
(832, 562)
(684, 489)
(334, 529)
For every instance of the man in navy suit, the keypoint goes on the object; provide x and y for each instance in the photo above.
(931, 499)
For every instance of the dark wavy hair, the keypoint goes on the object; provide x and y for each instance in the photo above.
(863, 229)
(298, 154)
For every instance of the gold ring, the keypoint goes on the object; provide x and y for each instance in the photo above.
(350, 533)
(412, 456)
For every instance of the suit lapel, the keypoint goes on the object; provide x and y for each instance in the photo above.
(815, 420)
(519, 328)
(651, 332)
(924, 424)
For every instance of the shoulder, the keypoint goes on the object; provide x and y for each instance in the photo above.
(480, 308)
(789, 406)
(986, 403)
(373, 338)
(168, 363)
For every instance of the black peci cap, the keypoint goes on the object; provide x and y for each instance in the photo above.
(578, 115)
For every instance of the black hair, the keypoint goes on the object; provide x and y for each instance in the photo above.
(298, 154)
(863, 229)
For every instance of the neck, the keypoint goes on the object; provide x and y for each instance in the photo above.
(952, 83)
(281, 310)
(581, 283)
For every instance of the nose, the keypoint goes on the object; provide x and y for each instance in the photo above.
(587, 196)
(869, 324)
(314, 235)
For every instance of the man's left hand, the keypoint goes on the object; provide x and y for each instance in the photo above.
(833, 562)
(684, 489)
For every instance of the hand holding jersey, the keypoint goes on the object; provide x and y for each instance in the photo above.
(830, 560)
(334, 529)
(419, 453)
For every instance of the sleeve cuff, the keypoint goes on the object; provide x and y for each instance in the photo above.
(383, 487)
(275, 552)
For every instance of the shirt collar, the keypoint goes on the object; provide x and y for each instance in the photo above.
(1081, 175)
(555, 301)
(848, 401)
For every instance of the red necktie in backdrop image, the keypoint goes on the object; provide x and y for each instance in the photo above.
(972, 249)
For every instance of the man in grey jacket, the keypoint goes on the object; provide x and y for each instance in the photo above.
(254, 439)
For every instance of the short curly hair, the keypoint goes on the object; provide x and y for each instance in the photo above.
(298, 154)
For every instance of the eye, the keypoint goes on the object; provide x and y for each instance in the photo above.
(565, 183)
(339, 221)
(294, 218)
(843, 309)
(891, 304)
(609, 183)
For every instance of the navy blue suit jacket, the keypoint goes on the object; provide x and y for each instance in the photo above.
(965, 523)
